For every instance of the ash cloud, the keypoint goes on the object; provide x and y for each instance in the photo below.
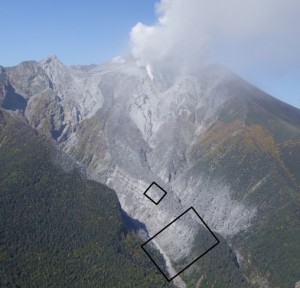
(239, 33)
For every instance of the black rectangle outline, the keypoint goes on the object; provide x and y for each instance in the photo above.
(154, 183)
(218, 241)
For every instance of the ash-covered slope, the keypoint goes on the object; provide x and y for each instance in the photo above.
(211, 139)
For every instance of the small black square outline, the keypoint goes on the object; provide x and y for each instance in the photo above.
(191, 208)
(154, 183)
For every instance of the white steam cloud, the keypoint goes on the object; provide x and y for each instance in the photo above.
(189, 33)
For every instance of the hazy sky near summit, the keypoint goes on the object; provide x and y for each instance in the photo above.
(258, 39)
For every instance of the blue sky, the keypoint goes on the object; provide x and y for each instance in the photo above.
(77, 31)
(93, 31)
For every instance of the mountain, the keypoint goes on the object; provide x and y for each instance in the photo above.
(210, 139)
(58, 229)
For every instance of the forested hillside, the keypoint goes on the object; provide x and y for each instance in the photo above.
(57, 229)
(260, 170)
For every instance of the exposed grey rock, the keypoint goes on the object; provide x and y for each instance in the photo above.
(128, 131)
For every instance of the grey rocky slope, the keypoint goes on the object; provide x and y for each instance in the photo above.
(128, 131)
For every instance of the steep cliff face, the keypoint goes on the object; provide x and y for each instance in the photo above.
(210, 139)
